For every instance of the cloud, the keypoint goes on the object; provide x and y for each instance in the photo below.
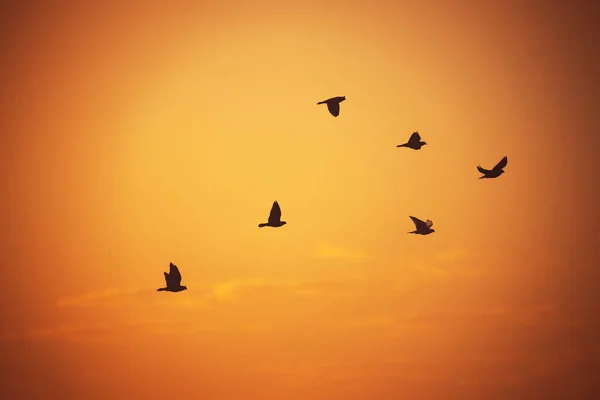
(199, 301)
(328, 251)
(73, 332)
(447, 271)
(448, 264)
(333, 288)
(94, 297)
(306, 289)
(232, 289)
(202, 298)
(456, 254)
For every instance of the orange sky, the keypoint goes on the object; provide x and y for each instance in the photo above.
(133, 136)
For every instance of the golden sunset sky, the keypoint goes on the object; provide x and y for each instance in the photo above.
(138, 134)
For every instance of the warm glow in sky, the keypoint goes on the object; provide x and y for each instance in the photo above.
(135, 136)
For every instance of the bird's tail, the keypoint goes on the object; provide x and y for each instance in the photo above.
(262, 225)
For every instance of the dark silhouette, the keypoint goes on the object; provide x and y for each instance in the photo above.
(414, 142)
(274, 217)
(333, 104)
(173, 279)
(423, 228)
(494, 172)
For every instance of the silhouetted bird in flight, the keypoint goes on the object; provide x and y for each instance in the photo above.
(333, 104)
(494, 172)
(173, 279)
(274, 217)
(423, 228)
(414, 142)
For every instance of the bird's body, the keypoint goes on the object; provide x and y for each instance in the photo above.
(173, 280)
(494, 172)
(414, 142)
(333, 104)
(422, 228)
(274, 217)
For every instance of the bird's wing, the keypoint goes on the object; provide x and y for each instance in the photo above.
(501, 164)
(275, 215)
(415, 137)
(167, 278)
(429, 223)
(483, 170)
(174, 274)
(334, 108)
(420, 225)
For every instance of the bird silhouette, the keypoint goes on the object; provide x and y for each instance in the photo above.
(173, 279)
(274, 217)
(333, 104)
(494, 172)
(414, 142)
(423, 228)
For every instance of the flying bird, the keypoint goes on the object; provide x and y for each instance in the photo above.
(494, 172)
(414, 142)
(173, 279)
(333, 104)
(423, 228)
(274, 217)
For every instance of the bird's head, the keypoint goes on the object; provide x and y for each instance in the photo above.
(501, 172)
(283, 223)
(184, 288)
(343, 98)
(432, 230)
(423, 143)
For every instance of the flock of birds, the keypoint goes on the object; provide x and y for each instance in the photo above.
(173, 277)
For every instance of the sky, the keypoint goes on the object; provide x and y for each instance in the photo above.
(134, 135)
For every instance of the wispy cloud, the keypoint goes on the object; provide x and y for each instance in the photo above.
(73, 332)
(242, 289)
(454, 262)
(447, 271)
(234, 288)
(196, 301)
(327, 250)
(94, 297)
(210, 295)
(455, 254)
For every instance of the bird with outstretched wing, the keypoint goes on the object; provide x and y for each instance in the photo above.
(422, 228)
(334, 108)
(419, 225)
(414, 138)
(501, 164)
(173, 278)
(275, 215)
(494, 172)
(333, 104)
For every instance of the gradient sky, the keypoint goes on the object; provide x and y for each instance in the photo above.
(136, 135)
